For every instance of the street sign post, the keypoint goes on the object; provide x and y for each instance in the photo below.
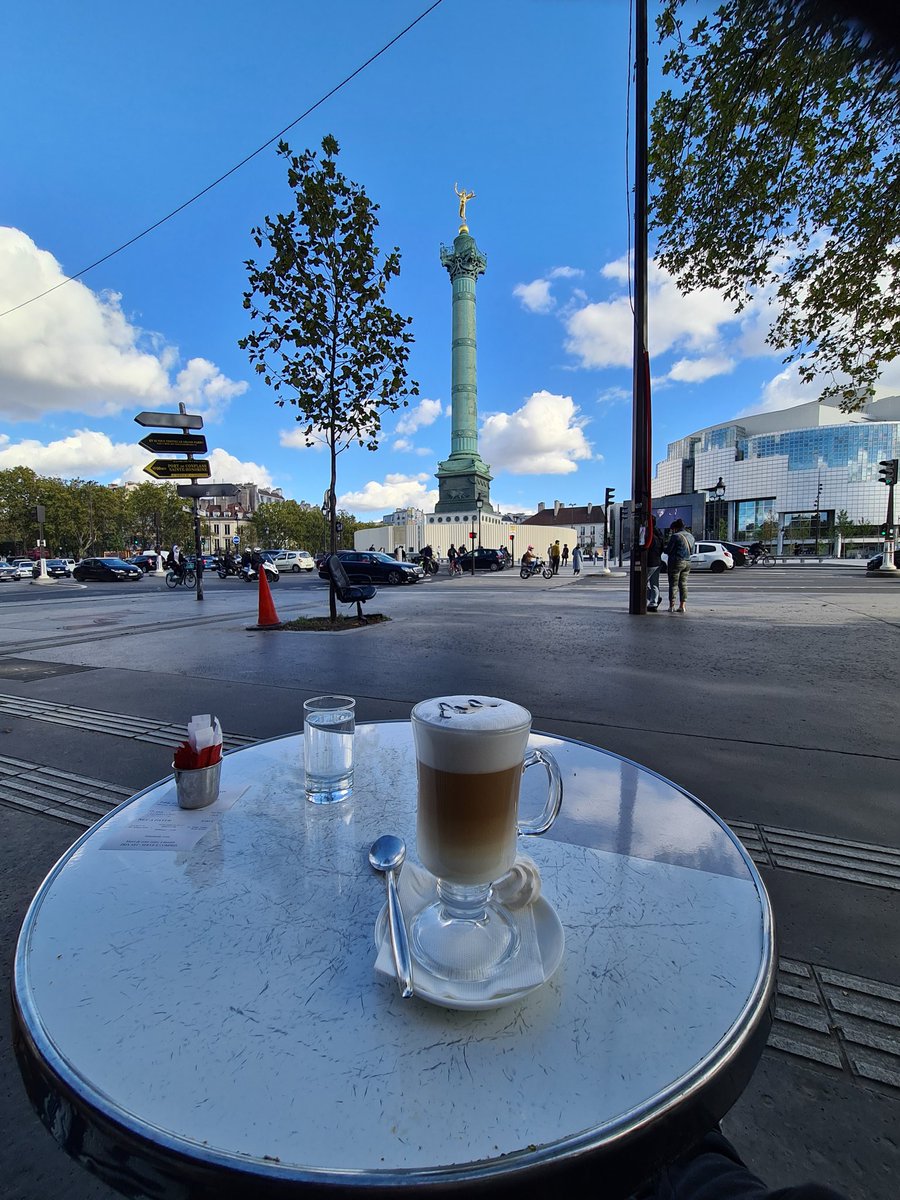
(174, 443)
(179, 420)
(210, 490)
(174, 468)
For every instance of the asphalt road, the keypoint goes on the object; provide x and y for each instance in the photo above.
(773, 699)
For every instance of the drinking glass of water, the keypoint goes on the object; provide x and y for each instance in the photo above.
(328, 726)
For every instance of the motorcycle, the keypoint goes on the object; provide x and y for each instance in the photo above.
(248, 573)
(537, 566)
(224, 571)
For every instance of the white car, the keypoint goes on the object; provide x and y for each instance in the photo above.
(710, 556)
(294, 560)
(23, 567)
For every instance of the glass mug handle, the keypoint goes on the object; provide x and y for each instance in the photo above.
(554, 800)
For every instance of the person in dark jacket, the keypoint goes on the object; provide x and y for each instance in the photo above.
(679, 549)
(654, 563)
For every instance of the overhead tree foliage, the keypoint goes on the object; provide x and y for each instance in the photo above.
(775, 164)
(323, 337)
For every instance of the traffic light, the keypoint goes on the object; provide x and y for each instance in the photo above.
(887, 471)
(610, 497)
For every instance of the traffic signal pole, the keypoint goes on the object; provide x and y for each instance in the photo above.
(640, 451)
(888, 474)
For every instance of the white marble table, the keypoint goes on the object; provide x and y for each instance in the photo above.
(205, 1021)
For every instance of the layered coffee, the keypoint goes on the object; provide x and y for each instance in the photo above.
(469, 752)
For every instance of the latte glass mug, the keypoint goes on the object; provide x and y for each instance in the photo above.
(471, 752)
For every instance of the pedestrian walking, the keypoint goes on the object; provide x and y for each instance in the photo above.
(654, 565)
(576, 561)
(554, 557)
(565, 555)
(679, 549)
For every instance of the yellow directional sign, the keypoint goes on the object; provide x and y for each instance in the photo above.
(178, 468)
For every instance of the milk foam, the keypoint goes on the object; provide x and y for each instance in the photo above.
(468, 735)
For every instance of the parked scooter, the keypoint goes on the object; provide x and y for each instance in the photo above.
(248, 573)
(537, 566)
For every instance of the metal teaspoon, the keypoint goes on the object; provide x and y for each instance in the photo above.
(387, 855)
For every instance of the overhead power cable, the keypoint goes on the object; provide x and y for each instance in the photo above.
(209, 187)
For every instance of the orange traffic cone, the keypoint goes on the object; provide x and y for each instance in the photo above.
(268, 617)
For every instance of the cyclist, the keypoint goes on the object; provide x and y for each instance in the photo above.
(757, 550)
(427, 557)
(175, 562)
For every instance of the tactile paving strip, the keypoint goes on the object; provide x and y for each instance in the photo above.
(140, 729)
(838, 1020)
(816, 854)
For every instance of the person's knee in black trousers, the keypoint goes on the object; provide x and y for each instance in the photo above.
(713, 1170)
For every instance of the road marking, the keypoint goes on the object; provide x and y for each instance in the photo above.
(816, 854)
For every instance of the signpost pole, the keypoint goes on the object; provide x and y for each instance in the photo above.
(195, 505)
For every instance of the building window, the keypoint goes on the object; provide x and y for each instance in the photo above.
(228, 531)
(751, 516)
(216, 530)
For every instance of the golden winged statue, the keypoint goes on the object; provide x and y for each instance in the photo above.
(464, 198)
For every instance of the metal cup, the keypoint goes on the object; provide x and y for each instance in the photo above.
(197, 789)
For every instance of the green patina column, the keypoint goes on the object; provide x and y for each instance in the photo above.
(463, 477)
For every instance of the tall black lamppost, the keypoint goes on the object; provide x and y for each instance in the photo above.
(818, 514)
(479, 504)
(717, 494)
(472, 546)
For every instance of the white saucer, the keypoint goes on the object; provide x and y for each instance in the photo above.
(551, 941)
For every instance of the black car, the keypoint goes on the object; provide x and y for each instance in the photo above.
(146, 561)
(740, 554)
(56, 569)
(485, 560)
(874, 563)
(112, 570)
(371, 566)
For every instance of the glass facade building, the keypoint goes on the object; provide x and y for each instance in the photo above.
(790, 476)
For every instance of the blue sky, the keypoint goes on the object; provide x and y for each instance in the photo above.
(116, 114)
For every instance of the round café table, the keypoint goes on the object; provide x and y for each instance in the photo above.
(197, 1014)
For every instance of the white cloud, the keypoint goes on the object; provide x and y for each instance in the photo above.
(397, 491)
(535, 296)
(295, 439)
(404, 445)
(696, 370)
(601, 334)
(543, 437)
(76, 351)
(566, 273)
(89, 454)
(426, 412)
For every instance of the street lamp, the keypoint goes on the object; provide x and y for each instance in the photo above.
(717, 494)
(479, 504)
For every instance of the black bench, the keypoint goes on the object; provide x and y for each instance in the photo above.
(347, 592)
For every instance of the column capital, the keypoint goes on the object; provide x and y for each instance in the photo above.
(463, 258)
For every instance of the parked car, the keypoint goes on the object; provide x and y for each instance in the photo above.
(485, 560)
(371, 566)
(874, 563)
(70, 563)
(8, 573)
(24, 567)
(56, 569)
(740, 554)
(709, 556)
(112, 570)
(294, 560)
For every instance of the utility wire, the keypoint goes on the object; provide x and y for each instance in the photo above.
(209, 187)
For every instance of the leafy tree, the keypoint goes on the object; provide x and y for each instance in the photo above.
(776, 166)
(323, 337)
